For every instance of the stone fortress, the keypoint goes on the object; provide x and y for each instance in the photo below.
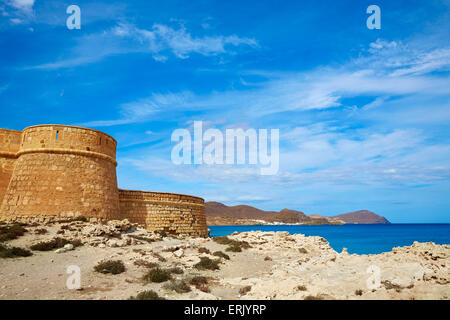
(52, 172)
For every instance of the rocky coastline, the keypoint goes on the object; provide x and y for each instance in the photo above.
(121, 260)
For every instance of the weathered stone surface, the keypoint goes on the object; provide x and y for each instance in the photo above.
(56, 172)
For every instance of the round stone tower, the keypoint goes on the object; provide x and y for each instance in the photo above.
(63, 171)
(9, 146)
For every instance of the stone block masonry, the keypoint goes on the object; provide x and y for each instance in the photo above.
(50, 172)
(165, 212)
(9, 146)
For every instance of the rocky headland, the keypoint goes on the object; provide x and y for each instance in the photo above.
(120, 260)
(220, 214)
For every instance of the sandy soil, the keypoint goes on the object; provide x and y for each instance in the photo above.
(276, 266)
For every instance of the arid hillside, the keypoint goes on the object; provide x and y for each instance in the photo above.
(220, 214)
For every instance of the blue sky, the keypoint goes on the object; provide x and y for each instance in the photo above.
(363, 114)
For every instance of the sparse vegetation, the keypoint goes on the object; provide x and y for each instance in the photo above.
(175, 270)
(171, 249)
(302, 250)
(110, 266)
(179, 286)
(389, 285)
(234, 245)
(204, 250)
(162, 234)
(11, 232)
(146, 264)
(141, 238)
(233, 248)
(40, 231)
(55, 243)
(80, 218)
(267, 258)
(301, 288)
(147, 295)
(159, 257)
(359, 292)
(201, 283)
(221, 255)
(318, 297)
(207, 264)
(157, 275)
(245, 290)
(14, 252)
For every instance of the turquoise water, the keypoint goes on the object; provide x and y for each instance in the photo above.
(358, 238)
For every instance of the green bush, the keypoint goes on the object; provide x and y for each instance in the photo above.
(157, 275)
(221, 255)
(207, 264)
(147, 295)
(110, 266)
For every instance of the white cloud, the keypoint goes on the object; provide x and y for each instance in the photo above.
(24, 5)
(159, 41)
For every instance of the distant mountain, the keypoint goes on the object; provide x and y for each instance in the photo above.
(361, 216)
(219, 214)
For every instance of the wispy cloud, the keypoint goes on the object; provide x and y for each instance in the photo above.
(318, 90)
(17, 11)
(160, 41)
(25, 6)
(333, 151)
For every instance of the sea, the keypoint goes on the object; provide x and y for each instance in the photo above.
(357, 238)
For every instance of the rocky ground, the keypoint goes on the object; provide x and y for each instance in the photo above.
(261, 265)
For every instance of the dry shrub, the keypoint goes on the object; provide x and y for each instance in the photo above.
(245, 290)
(11, 232)
(110, 266)
(55, 243)
(14, 252)
(157, 275)
(204, 250)
(221, 255)
(201, 283)
(147, 295)
(207, 264)
(146, 264)
(179, 286)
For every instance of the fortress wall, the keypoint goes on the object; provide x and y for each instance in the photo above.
(63, 171)
(165, 212)
(53, 171)
(9, 146)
